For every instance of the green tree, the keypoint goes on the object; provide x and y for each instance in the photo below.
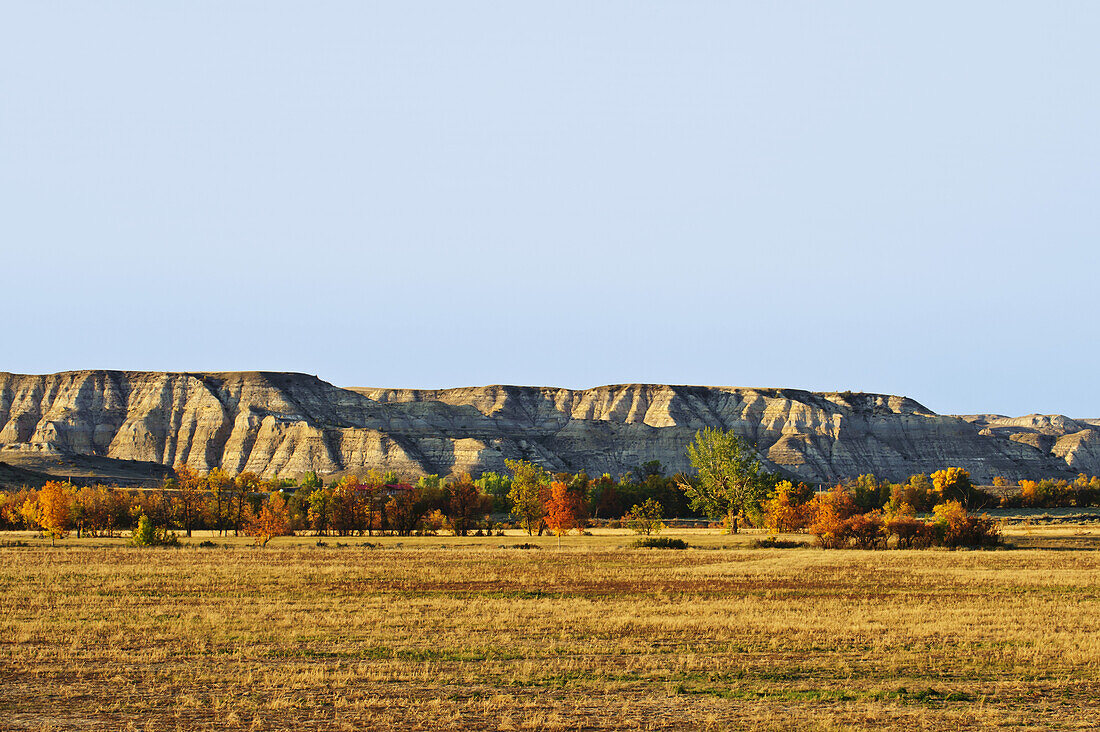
(645, 518)
(319, 513)
(146, 534)
(310, 480)
(730, 482)
(528, 483)
(497, 486)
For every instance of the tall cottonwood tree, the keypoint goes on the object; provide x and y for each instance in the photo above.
(730, 482)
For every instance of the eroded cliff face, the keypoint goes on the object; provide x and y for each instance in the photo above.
(282, 425)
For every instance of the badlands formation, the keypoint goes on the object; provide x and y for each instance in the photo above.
(284, 424)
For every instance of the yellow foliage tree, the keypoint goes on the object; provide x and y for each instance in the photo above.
(784, 512)
(952, 484)
(53, 509)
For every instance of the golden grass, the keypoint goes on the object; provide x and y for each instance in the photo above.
(447, 633)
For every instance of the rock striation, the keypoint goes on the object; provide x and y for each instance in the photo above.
(284, 424)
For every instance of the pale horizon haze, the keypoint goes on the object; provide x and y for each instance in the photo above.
(828, 196)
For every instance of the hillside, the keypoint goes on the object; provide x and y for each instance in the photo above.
(283, 424)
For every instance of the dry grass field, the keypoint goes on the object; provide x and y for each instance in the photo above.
(446, 633)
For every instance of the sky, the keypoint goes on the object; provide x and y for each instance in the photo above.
(866, 196)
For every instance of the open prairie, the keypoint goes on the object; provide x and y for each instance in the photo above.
(445, 633)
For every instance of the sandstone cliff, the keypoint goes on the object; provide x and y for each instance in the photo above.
(279, 424)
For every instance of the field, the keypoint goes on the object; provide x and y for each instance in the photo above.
(445, 633)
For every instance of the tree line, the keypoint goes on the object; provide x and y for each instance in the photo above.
(864, 512)
(727, 485)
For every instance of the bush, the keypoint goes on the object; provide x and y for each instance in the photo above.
(956, 528)
(659, 542)
(147, 535)
(774, 543)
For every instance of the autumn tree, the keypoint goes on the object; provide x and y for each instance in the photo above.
(53, 509)
(645, 518)
(956, 527)
(272, 520)
(345, 512)
(95, 510)
(219, 505)
(787, 510)
(319, 512)
(244, 485)
(11, 509)
(911, 532)
(730, 482)
(464, 504)
(526, 495)
(408, 508)
(189, 497)
(953, 484)
(562, 509)
(918, 493)
(830, 512)
(154, 504)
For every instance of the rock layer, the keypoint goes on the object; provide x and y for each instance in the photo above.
(280, 424)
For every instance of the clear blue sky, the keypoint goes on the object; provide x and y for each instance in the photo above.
(818, 195)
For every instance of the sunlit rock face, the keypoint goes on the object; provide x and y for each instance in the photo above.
(279, 424)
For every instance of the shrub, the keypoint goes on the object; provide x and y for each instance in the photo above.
(957, 528)
(774, 543)
(659, 542)
(147, 535)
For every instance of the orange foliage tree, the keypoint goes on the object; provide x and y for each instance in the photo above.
(563, 509)
(830, 511)
(95, 510)
(273, 520)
